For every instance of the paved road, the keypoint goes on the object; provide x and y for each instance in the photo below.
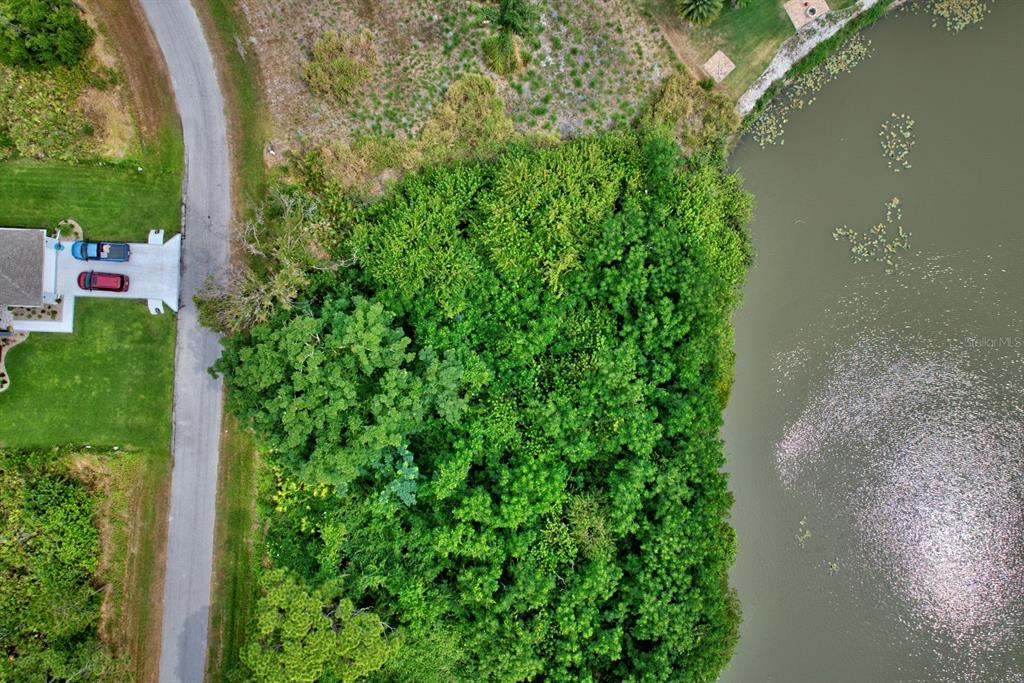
(197, 396)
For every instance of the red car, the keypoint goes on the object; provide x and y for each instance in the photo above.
(107, 282)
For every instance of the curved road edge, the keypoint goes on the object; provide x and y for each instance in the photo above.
(206, 215)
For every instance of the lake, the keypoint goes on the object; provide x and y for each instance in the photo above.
(875, 432)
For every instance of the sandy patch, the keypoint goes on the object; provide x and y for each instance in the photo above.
(125, 42)
(677, 35)
(109, 111)
(719, 66)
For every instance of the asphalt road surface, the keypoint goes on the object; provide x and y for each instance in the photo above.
(197, 396)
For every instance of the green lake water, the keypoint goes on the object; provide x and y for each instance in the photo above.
(875, 432)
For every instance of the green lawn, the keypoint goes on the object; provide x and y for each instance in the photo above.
(237, 554)
(109, 203)
(107, 384)
(750, 36)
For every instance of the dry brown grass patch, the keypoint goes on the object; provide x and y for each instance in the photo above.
(125, 40)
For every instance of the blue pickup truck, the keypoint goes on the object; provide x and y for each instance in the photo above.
(113, 252)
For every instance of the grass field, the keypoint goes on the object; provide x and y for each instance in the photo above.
(107, 384)
(133, 526)
(236, 555)
(109, 202)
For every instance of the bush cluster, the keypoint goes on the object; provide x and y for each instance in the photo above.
(340, 65)
(49, 553)
(696, 116)
(42, 33)
(38, 116)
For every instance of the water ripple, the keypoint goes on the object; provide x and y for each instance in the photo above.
(911, 438)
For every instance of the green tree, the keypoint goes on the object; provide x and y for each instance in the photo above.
(42, 33)
(301, 636)
(516, 21)
(514, 16)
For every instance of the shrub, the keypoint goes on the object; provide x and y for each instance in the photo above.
(42, 33)
(504, 53)
(470, 121)
(339, 65)
(700, 11)
(686, 111)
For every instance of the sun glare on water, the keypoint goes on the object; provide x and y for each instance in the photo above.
(913, 440)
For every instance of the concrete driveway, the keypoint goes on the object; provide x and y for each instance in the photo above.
(154, 274)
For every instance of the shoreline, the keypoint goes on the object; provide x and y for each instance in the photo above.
(796, 48)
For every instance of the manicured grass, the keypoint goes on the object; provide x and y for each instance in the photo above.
(107, 384)
(109, 203)
(236, 558)
(750, 36)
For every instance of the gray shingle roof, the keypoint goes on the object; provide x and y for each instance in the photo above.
(21, 267)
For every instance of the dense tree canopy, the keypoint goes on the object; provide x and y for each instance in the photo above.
(498, 433)
(49, 550)
(42, 33)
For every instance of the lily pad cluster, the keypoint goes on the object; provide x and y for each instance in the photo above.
(769, 128)
(897, 138)
(882, 243)
(959, 14)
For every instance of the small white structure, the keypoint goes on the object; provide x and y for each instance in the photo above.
(37, 271)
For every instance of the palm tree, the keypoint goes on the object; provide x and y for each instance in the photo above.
(700, 11)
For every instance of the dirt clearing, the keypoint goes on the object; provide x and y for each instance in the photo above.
(593, 64)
